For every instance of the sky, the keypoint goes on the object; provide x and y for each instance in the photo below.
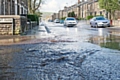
(56, 5)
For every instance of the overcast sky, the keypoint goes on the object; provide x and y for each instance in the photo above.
(56, 5)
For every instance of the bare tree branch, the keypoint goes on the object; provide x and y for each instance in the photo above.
(33, 5)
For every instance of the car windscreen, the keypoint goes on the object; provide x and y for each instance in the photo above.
(57, 19)
(70, 18)
(100, 18)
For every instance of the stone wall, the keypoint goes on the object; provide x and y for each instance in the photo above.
(6, 29)
(116, 23)
(19, 25)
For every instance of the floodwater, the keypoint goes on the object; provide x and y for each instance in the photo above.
(111, 41)
(75, 53)
(106, 39)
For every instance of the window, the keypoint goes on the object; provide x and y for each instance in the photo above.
(95, 13)
(18, 9)
(100, 12)
(91, 13)
(22, 10)
(106, 14)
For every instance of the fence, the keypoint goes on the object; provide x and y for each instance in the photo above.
(31, 24)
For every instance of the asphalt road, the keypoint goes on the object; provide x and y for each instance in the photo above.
(56, 52)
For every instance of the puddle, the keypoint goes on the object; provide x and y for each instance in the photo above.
(110, 41)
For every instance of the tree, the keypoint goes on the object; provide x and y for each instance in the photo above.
(33, 6)
(38, 13)
(110, 6)
(71, 14)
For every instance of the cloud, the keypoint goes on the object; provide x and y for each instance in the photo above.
(55, 5)
(51, 6)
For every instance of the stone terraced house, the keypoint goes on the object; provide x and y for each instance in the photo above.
(13, 18)
(85, 8)
(13, 7)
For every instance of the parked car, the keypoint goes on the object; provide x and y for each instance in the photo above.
(61, 21)
(50, 20)
(57, 21)
(70, 21)
(99, 21)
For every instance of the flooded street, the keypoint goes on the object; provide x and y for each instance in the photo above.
(56, 52)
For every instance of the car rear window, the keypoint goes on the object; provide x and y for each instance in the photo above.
(70, 18)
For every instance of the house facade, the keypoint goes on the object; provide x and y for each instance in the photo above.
(60, 14)
(84, 8)
(13, 7)
(13, 19)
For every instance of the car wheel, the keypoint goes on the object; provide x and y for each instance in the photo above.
(109, 26)
(91, 25)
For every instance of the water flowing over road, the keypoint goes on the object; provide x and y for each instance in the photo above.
(56, 52)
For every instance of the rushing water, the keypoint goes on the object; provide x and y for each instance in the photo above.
(70, 54)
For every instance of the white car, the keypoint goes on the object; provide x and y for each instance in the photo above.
(99, 21)
(56, 21)
(70, 21)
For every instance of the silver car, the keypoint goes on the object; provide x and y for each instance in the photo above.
(70, 21)
(99, 21)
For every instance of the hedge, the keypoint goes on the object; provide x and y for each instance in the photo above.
(33, 17)
(63, 18)
(89, 17)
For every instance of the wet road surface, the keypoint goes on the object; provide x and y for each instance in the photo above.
(66, 53)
